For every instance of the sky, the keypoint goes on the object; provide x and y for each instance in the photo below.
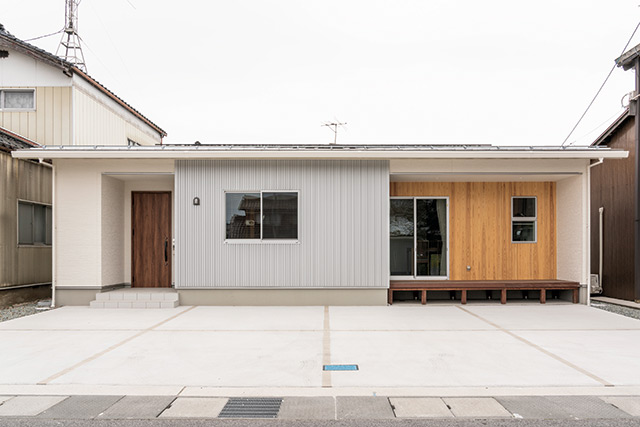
(499, 72)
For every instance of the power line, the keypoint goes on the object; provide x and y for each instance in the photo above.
(46, 35)
(624, 49)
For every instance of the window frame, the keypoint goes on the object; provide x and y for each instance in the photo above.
(3, 91)
(261, 240)
(34, 244)
(521, 219)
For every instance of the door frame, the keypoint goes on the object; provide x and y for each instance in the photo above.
(170, 244)
(415, 238)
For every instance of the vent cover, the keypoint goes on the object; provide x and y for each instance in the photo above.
(250, 407)
(4, 53)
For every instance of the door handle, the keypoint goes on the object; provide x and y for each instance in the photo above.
(166, 245)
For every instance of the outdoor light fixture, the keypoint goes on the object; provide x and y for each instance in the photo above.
(196, 201)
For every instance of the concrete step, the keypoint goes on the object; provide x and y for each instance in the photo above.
(136, 298)
(134, 304)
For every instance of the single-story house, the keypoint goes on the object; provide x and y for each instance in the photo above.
(317, 225)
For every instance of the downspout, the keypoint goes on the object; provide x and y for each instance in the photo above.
(600, 232)
(53, 237)
(600, 245)
(53, 228)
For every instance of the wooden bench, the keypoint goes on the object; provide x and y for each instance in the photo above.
(484, 285)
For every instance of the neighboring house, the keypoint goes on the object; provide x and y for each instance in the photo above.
(615, 201)
(25, 223)
(49, 100)
(46, 99)
(613, 198)
(313, 225)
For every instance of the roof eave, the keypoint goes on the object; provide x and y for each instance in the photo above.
(171, 154)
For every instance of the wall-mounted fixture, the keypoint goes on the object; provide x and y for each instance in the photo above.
(468, 268)
(196, 201)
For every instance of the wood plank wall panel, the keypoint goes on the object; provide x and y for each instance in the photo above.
(50, 124)
(480, 228)
(612, 188)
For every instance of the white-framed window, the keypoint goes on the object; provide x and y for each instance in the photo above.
(261, 215)
(34, 224)
(524, 219)
(18, 99)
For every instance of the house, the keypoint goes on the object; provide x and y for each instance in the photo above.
(25, 223)
(321, 224)
(49, 100)
(615, 202)
(46, 99)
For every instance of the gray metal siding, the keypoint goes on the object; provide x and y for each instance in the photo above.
(343, 225)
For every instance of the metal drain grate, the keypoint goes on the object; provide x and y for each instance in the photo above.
(339, 367)
(251, 407)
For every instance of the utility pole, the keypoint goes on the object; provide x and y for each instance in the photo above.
(69, 48)
(334, 128)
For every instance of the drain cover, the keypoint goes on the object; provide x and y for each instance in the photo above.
(250, 407)
(339, 367)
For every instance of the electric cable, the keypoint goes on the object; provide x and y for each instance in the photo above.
(601, 86)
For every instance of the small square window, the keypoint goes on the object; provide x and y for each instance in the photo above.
(34, 224)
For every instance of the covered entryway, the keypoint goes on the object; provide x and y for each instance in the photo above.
(150, 239)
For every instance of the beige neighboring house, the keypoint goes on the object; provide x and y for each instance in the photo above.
(50, 101)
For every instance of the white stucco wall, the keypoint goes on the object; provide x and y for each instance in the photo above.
(79, 201)
(112, 245)
(573, 229)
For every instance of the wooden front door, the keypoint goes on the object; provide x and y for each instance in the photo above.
(150, 239)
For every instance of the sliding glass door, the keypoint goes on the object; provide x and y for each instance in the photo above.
(419, 233)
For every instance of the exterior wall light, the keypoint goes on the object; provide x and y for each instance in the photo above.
(196, 201)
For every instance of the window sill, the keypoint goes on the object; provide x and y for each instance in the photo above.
(261, 242)
(33, 246)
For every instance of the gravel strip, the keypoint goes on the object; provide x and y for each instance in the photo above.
(617, 309)
(21, 310)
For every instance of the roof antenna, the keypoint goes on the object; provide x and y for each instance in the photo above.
(70, 42)
(334, 128)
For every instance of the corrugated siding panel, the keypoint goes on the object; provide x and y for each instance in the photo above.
(98, 124)
(343, 225)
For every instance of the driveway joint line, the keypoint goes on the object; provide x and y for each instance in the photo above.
(326, 347)
(109, 349)
(542, 350)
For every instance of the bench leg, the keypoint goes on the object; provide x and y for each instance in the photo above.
(463, 297)
(543, 296)
(503, 296)
(390, 296)
(424, 296)
(576, 296)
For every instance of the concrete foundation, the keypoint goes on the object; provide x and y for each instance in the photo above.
(250, 297)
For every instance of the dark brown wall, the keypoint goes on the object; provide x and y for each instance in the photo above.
(612, 188)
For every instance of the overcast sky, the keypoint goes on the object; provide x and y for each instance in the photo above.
(403, 71)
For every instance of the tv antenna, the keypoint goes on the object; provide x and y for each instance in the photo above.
(70, 42)
(334, 128)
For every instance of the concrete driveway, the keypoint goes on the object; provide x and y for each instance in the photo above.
(406, 350)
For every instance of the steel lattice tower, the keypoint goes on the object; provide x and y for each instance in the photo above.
(70, 49)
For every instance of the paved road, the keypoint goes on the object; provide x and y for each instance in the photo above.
(349, 423)
(319, 410)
